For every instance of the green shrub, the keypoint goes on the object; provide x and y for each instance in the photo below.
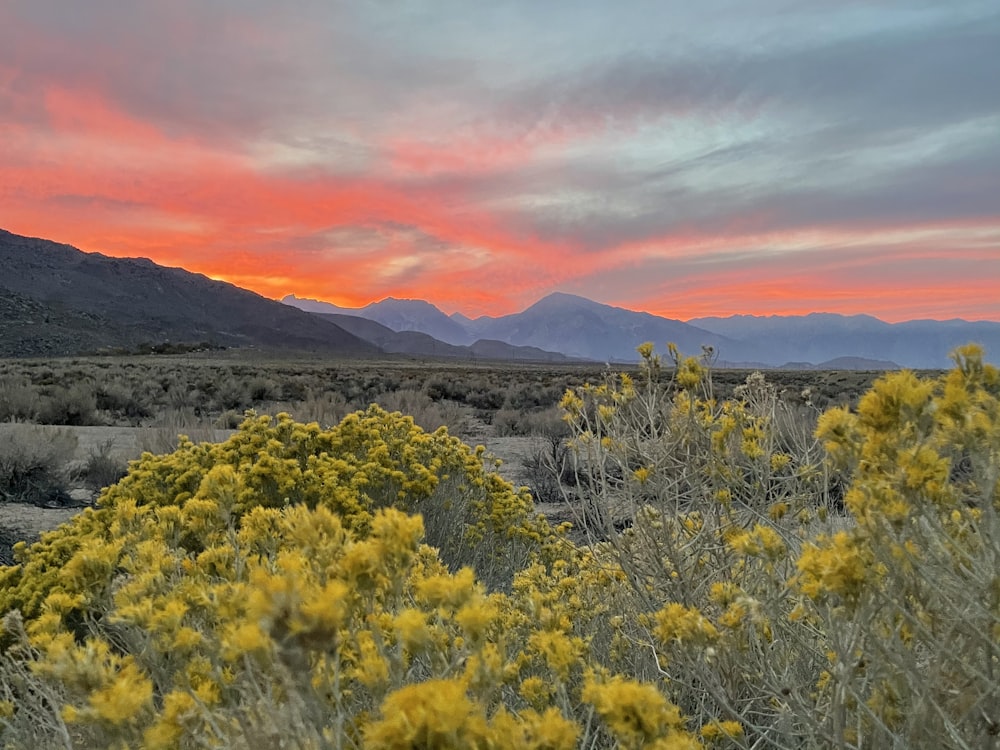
(75, 405)
(532, 396)
(487, 399)
(261, 389)
(163, 434)
(122, 402)
(19, 400)
(426, 413)
(231, 394)
(324, 408)
(102, 467)
(452, 389)
(34, 464)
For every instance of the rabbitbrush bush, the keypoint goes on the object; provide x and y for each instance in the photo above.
(755, 602)
(372, 586)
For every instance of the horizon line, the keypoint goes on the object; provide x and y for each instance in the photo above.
(443, 311)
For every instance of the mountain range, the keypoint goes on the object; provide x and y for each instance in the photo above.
(419, 344)
(823, 336)
(582, 328)
(56, 300)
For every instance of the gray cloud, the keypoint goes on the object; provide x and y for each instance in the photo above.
(588, 126)
(854, 100)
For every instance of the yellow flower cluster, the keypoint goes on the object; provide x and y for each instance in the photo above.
(686, 625)
(833, 566)
(722, 730)
(761, 541)
(922, 454)
(638, 715)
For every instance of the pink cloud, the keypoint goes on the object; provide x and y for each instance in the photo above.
(152, 145)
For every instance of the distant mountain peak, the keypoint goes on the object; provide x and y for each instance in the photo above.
(568, 296)
(404, 303)
(564, 301)
(398, 315)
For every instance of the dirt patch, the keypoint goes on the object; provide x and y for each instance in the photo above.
(517, 456)
(124, 443)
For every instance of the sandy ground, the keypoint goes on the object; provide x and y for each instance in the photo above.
(125, 443)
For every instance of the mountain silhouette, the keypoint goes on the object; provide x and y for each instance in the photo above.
(398, 315)
(579, 327)
(58, 300)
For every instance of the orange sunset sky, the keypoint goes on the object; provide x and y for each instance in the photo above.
(687, 159)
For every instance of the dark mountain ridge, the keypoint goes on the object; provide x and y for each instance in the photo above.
(397, 314)
(60, 300)
(419, 344)
(571, 325)
(57, 300)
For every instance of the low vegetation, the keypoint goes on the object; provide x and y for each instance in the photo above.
(206, 391)
(33, 464)
(733, 577)
(130, 391)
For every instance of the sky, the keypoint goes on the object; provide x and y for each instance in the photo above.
(684, 158)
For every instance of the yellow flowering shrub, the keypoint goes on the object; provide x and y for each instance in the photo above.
(371, 460)
(908, 594)
(209, 601)
(373, 586)
(638, 715)
(701, 505)
(762, 604)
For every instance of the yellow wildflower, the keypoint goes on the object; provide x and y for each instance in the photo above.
(722, 729)
(431, 714)
(536, 691)
(127, 695)
(675, 622)
(412, 629)
(448, 591)
(635, 712)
